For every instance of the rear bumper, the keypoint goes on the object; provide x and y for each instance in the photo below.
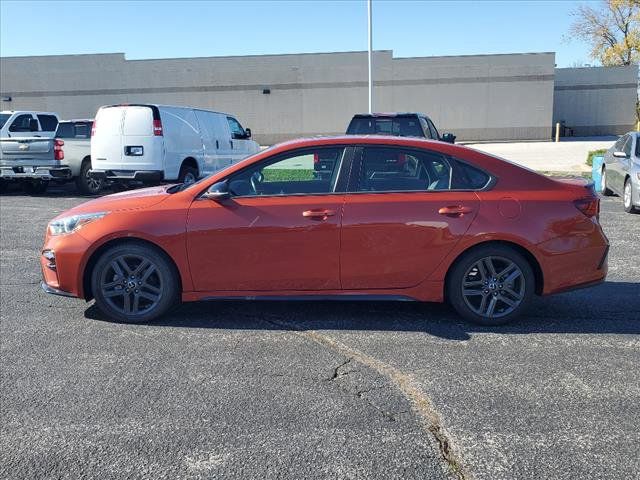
(128, 175)
(35, 172)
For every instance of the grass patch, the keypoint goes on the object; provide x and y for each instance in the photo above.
(592, 154)
(287, 174)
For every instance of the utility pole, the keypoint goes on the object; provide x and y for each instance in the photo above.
(370, 45)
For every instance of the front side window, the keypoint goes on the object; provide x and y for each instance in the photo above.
(312, 171)
(434, 131)
(236, 129)
(399, 170)
(627, 147)
(48, 123)
(619, 145)
(638, 146)
(21, 124)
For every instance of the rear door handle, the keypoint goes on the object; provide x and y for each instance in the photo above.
(318, 214)
(454, 210)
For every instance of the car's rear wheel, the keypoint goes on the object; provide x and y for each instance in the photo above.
(188, 175)
(85, 183)
(603, 184)
(627, 197)
(134, 283)
(490, 285)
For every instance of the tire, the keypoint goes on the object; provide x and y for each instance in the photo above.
(188, 174)
(35, 187)
(128, 271)
(627, 198)
(472, 268)
(603, 184)
(84, 183)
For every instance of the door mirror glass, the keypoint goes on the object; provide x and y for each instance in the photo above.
(218, 191)
(449, 138)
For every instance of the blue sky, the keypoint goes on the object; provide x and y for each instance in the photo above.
(165, 29)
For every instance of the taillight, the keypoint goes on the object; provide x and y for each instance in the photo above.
(589, 206)
(316, 158)
(93, 128)
(58, 153)
(157, 128)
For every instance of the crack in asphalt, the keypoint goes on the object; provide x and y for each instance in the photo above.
(421, 403)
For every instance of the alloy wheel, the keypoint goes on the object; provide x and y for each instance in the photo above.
(131, 284)
(627, 195)
(493, 287)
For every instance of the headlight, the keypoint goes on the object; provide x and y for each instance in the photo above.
(73, 223)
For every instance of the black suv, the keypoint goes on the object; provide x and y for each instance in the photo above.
(397, 124)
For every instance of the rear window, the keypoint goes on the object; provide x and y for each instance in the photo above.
(3, 118)
(48, 123)
(138, 121)
(65, 130)
(74, 130)
(397, 126)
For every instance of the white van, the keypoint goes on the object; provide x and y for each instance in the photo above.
(153, 143)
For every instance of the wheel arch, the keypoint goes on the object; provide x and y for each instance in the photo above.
(190, 162)
(530, 257)
(87, 293)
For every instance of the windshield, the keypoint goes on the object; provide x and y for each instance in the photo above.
(397, 126)
(3, 118)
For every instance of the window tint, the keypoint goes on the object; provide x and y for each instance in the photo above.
(638, 146)
(48, 123)
(65, 130)
(305, 172)
(397, 126)
(21, 123)
(627, 147)
(3, 118)
(393, 170)
(434, 131)
(620, 143)
(236, 129)
(82, 130)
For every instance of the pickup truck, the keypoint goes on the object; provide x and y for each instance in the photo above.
(32, 161)
(76, 135)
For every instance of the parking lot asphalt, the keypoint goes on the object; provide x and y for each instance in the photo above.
(316, 389)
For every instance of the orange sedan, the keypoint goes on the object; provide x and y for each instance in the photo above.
(342, 218)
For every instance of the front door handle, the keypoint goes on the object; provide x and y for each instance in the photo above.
(318, 214)
(454, 210)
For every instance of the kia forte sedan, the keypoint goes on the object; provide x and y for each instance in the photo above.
(394, 218)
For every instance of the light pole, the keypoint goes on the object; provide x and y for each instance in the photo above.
(369, 55)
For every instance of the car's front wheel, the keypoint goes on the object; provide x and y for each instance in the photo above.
(134, 283)
(627, 197)
(490, 285)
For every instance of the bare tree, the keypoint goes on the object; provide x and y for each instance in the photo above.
(613, 31)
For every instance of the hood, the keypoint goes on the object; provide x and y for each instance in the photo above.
(128, 200)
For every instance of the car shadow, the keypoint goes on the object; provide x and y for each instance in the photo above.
(609, 308)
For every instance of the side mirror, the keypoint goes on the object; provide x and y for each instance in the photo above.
(33, 125)
(619, 154)
(247, 133)
(218, 191)
(449, 138)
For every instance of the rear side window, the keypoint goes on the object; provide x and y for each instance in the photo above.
(48, 123)
(65, 130)
(399, 170)
(397, 126)
(21, 123)
(138, 121)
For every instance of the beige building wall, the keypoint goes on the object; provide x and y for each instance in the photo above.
(596, 100)
(480, 97)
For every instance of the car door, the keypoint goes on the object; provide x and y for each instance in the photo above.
(280, 230)
(217, 154)
(615, 165)
(404, 212)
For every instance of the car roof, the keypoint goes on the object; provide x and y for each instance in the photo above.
(388, 114)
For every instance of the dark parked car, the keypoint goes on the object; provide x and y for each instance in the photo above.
(397, 124)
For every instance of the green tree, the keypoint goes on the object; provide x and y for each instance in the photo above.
(613, 31)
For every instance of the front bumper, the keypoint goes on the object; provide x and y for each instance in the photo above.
(35, 172)
(128, 175)
(54, 291)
